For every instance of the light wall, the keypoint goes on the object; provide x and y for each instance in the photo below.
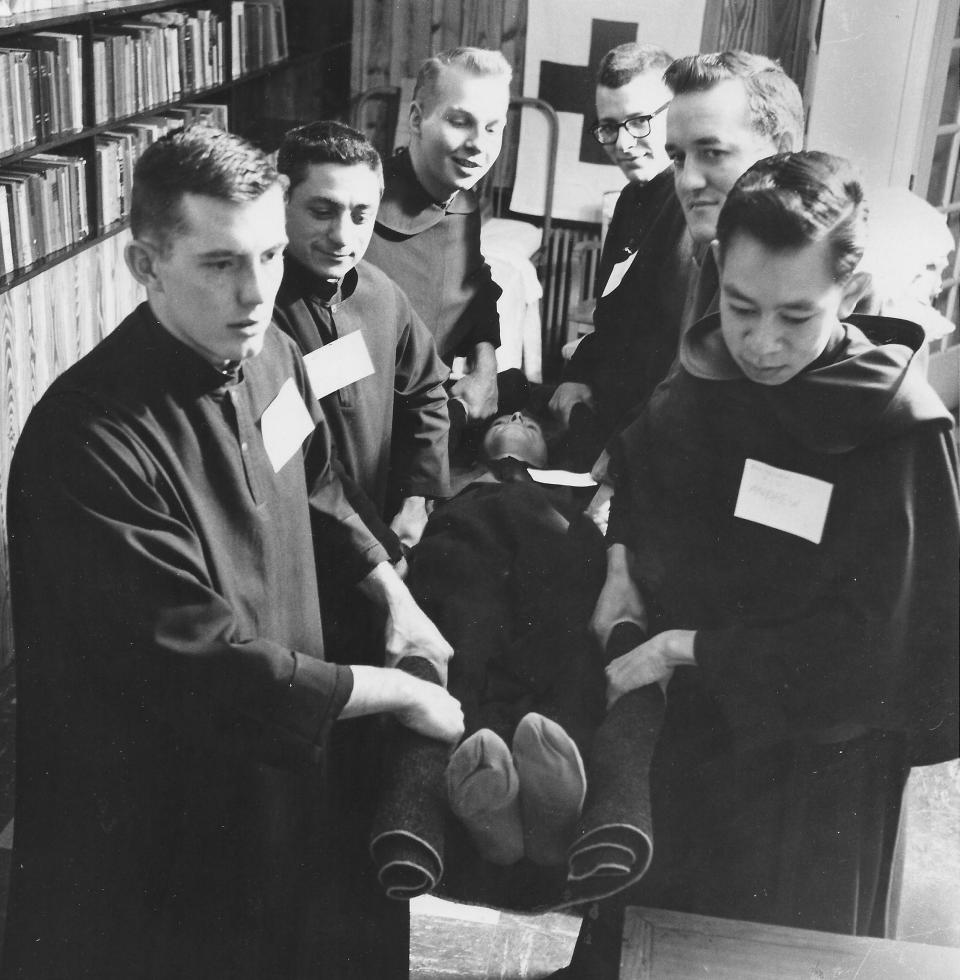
(868, 86)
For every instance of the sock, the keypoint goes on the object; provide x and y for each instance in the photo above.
(482, 787)
(553, 785)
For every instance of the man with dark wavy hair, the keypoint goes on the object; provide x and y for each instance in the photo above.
(729, 109)
(386, 404)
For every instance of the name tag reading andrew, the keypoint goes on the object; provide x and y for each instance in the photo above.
(617, 273)
(787, 501)
(335, 365)
(284, 425)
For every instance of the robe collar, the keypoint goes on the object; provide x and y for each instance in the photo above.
(182, 366)
(407, 208)
(299, 282)
(868, 386)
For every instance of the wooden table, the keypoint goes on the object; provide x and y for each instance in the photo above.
(456, 942)
(673, 946)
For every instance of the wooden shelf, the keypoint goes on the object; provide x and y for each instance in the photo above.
(43, 20)
(64, 139)
(12, 279)
(86, 21)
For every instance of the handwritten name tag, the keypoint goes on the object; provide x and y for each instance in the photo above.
(284, 425)
(338, 364)
(617, 273)
(787, 501)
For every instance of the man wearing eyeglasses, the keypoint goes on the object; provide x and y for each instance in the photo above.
(647, 261)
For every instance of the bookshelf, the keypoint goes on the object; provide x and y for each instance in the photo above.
(78, 82)
(55, 309)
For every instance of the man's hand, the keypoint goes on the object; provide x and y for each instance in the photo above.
(600, 470)
(424, 707)
(567, 395)
(409, 631)
(478, 388)
(620, 599)
(410, 521)
(652, 662)
(432, 712)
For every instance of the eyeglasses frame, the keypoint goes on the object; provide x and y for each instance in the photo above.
(647, 117)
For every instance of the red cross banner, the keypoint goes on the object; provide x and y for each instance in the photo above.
(565, 41)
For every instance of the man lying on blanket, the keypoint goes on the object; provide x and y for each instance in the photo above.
(510, 569)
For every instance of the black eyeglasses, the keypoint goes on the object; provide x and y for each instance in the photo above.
(606, 133)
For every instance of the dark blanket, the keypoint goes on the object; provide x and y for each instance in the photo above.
(510, 574)
(406, 841)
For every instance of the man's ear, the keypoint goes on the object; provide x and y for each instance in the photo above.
(416, 118)
(854, 289)
(785, 143)
(141, 258)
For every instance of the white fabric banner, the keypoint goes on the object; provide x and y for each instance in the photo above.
(565, 41)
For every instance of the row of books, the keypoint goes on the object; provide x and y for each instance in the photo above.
(43, 208)
(43, 198)
(259, 29)
(41, 89)
(157, 59)
(138, 64)
(117, 151)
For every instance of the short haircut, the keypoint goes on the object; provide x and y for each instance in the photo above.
(622, 64)
(776, 106)
(326, 141)
(474, 61)
(794, 199)
(197, 160)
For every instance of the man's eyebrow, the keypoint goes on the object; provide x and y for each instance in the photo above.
(229, 253)
(797, 304)
(322, 199)
(217, 253)
(731, 290)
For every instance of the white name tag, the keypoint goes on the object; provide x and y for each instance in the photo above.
(562, 478)
(617, 273)
(338, 364)
(787, 501)
(284, 425)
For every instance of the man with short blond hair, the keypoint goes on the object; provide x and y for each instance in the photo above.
(427, 236)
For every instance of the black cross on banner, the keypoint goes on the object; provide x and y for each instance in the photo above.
(571, 88)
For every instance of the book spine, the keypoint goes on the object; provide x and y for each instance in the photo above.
(83, 207)
(6, 240)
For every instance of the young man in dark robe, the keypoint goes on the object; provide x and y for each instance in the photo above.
(375, 366)
(785, 527)
(382, 382)
(647, 264)
(427, 235)
(168, 499)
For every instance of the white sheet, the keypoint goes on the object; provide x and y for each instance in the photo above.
(507, 246)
